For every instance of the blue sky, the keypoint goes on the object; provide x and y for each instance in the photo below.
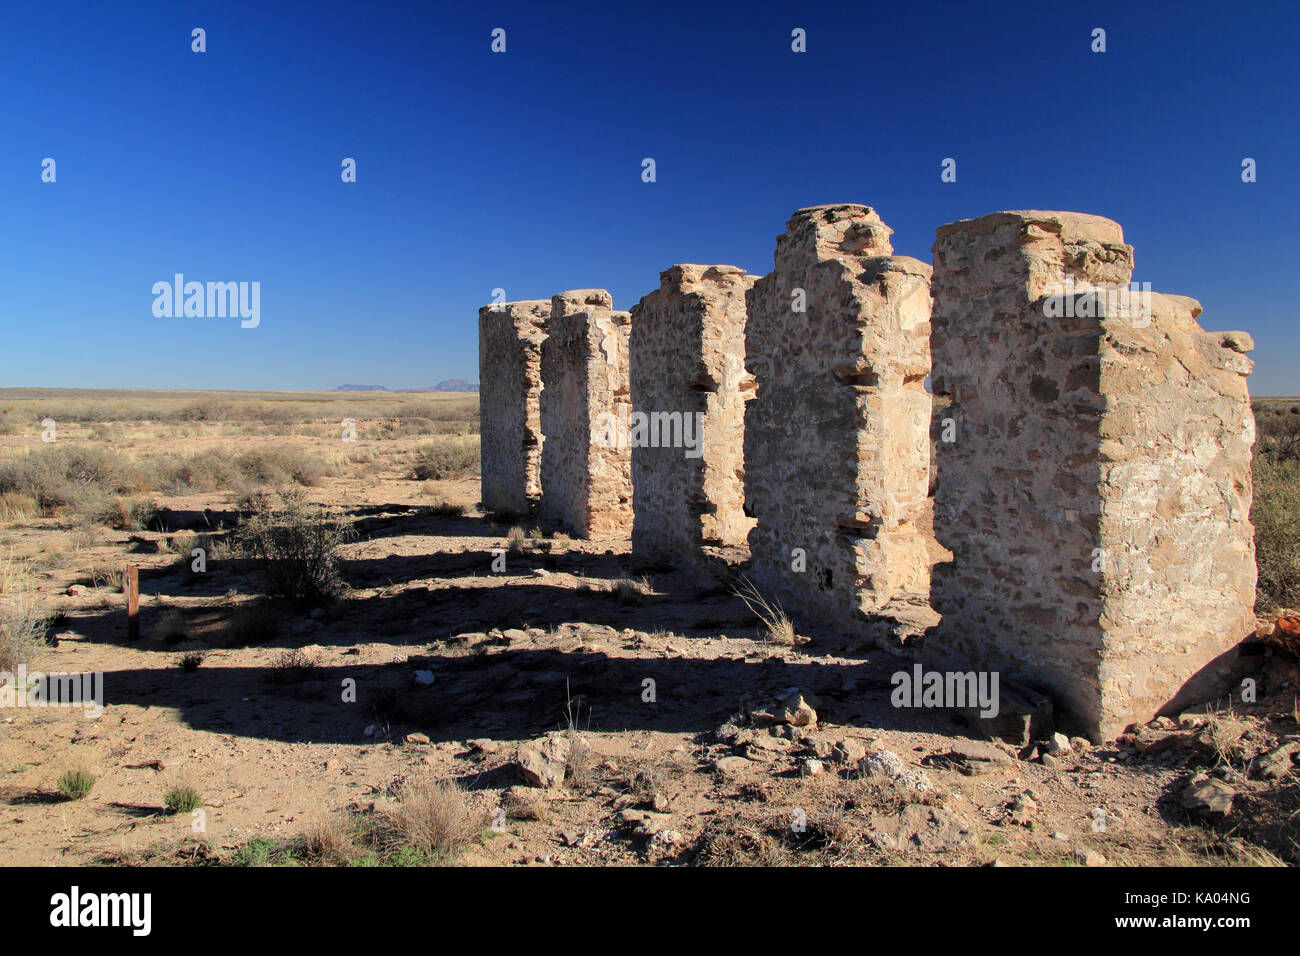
(522, 170)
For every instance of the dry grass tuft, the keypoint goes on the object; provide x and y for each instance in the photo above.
(434, 817)
(775, 625)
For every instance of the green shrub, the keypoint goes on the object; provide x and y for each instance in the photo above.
(294, 542)
(76, 784)
(182, 799)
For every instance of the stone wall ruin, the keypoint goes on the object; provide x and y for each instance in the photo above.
(837, 435)
(586, 483)
(510, 384)
(1096, 491)
(1081, 525)
(689, 388)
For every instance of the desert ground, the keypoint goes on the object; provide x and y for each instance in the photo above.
(401, 701)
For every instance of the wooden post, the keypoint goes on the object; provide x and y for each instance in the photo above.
(131, 583)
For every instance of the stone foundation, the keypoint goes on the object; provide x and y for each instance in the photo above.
(689, 388)
(1095, 487)
(586, 483)
(510, 385)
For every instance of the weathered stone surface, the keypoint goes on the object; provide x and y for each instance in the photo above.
(687, 356)
(836, 447)
(510, 385)
(586, 483)
(1094, 486)
(542, 762)
(1208, 799)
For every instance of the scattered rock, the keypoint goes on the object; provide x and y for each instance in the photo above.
(848, 751)
(1024, 715)
(514, 636)
(888, 764)
(919, 828)
(732, 766)
(423, 678)
(812, 767)
(1023, 809)
(541, 762)
(798, 712)
(1088, 858)
(1276, 764)
(883, 762)
(417, 739)
(1208, 799)
(1058, 744)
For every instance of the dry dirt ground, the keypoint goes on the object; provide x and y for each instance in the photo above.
(456, 666)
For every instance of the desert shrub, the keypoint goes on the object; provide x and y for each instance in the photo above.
(331, 840)
(171, 627)
(125, 514)
(23, 624)
(182, 799)
(447, 458)
(291, 666)
(203, 471)
(15, 506)
(75, 784)
(206, 409)
(632, 591)
(1276, 517)
(190, 661)
(78, 477)
(254, 622)
(294, 542)
(1278, 434)
(432, 817)
(281, 465)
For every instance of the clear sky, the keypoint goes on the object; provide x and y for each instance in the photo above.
(522, 170)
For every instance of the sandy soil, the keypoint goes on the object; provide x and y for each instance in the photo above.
(546, 645)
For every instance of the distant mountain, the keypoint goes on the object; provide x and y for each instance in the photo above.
(450, 385)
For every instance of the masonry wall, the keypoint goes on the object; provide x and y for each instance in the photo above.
(1096, 491)
(836, 444)
(586, 487)
(510, 385)
(688, 378)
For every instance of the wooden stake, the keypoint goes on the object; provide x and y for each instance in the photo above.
(131, 581)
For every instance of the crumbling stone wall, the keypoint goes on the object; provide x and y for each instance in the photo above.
(586, 484)
(836, 445)
(689, 388)
(1095, 489)
(510, 385)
